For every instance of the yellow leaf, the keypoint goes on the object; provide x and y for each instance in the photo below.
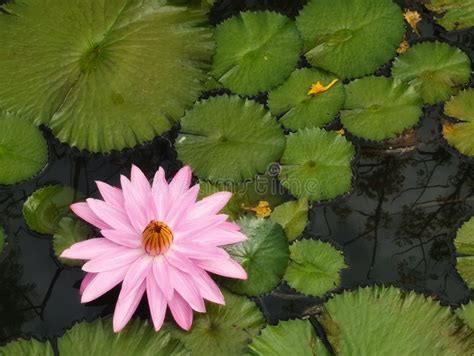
(319, 88)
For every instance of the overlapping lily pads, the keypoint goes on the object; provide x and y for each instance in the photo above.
(255, 51)
(27, 347)
(302, 110)
(102, 75)
(350, 38)
(464, 244)
(227, 138)
(379, 108)
(316, 164)
(68, 232)
(436, 70)
(292, 216)
(388, 321)
(23, 149)
(453, 14)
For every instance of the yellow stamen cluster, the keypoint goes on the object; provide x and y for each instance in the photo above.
(157, 238)
(404, 45)
(319, 88)
(412, 18)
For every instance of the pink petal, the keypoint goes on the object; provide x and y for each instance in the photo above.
(102, 283)
(126, 306)
(85, 213)
(127, 239)
(210, 205)
(229, 226)
(113, 260)
(156, 302)
(162, 276)
(85, 282)
(181, 206)
(184, 285)
(142, 189)
(114, 217)
(180, 183)
(135, 206)
(227, 268)
(192, 227)
(137, 273)
(219, 237)
(160, 194)
(199, 251)
(181, 311)
(92, 248)
(111, 195)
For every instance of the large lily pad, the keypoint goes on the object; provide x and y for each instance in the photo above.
(264, 256)
(350, 38)
(379, 108)
(292, 337)
(315, 267)
(27, 347)
(387, 321)
(436, 70)
(464, 244)
(68, 232)
(453, 14)
(292, 216)
(227, 138)
(316, 164)
(302, 110)
(466, 314)
(23, 149)
(102, 75)
(461, 134)
(255, 51)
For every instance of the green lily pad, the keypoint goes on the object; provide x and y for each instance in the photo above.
(466, 314)
(264, 256)
(103, 76)
(453, 14)
(436, 70)
(292, 216)
(27, 347)
(222, 330)
(138, 338)
(68, 232)
(23, 149)
(255, 51)
(292, 337)
(315, 267)
(316, 164)
(302, 110)
(464, 243)
(461, 134)
(388, 321)
(226, 138)
(379, 108)
(45, 208)
(350, 38)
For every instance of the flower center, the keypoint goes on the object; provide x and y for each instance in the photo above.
(157, 238)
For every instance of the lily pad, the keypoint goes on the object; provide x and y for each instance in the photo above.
(350, 38)
(388, 321)
(453, 14)
(68, 232)
(264, 256)
(47, 206)
(27, 347)
(379, 108)
(222, 330)
(255, 51)
(466, 314)
(436, 70)
(292, 337)
(316, 164)
(461, 134)
(292, 216)
(23, 149)
(226, 138)
(464, 243)
(315, 267)
(138, 338)
(102, 75)
(302, 110)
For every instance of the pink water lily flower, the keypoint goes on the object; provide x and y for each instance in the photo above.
(156, 240)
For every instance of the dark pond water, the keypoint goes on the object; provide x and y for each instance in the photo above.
(396, 226)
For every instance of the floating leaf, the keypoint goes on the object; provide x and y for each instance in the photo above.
(222, 330)
(264, 256)
(316, 164)
(387, 321)
(292, 216)
(68, 232)
(23, 149)
(436, 70)
(350, 38)
(301, 109)
(378, 108)
(47, 206)
(226, 138)
(461, 134)
(255, 51)
(454, 14)
(466, 314)
(102, 75)
(292, 337)
(464, 244)
(27, 348)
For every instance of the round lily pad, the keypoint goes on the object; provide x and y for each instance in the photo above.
(453, 14)
(264, 256)
(23, 149)
(222, 330)
(379, 108)
(315, 267)
(102, 75)
(292, 337)
(255, 51)
(464, 243)
(436, 70)
(350, 38)
(226, 138)
(47, 206)
(316, 164)
(461, 134)
(388, 321)
(301, 109)
(292, 216)
(466, 314)
(138, 338)
(68, 232)
(27, 347)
